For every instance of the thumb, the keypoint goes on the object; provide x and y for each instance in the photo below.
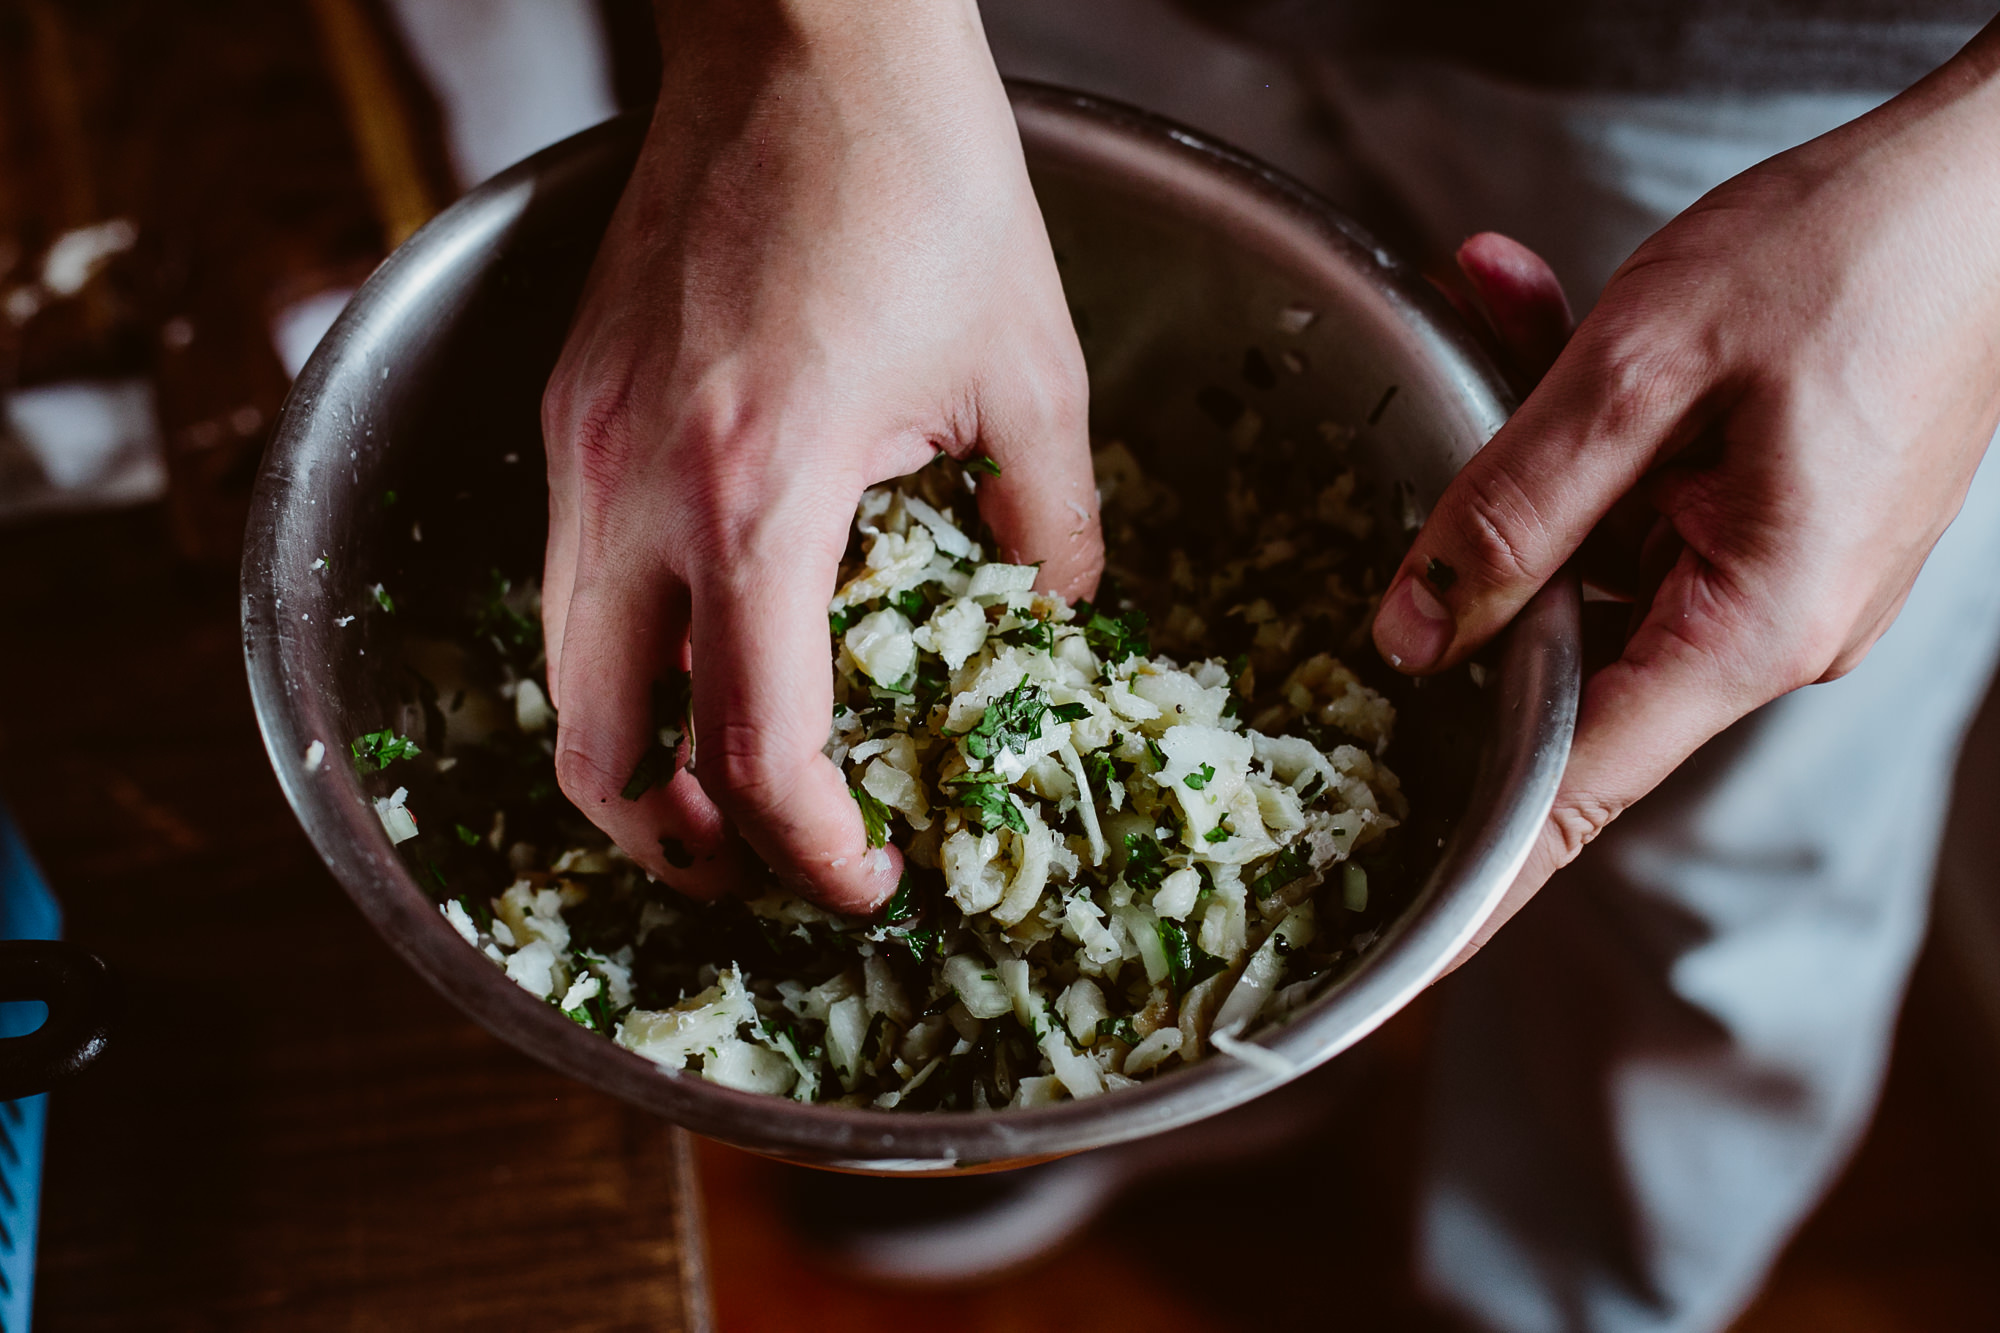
(1525, 502)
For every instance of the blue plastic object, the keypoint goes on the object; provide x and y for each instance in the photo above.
(28, 911)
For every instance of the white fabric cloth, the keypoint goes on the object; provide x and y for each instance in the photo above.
(511, 76)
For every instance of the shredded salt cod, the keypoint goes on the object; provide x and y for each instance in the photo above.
(1111, 871)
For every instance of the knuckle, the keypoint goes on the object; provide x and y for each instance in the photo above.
(1639, 376)
(1504, 535)
(1576, 821)
(583, 777)
(743, 774)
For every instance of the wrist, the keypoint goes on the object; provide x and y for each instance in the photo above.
(703, 42)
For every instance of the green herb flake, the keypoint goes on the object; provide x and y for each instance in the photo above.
(1200, 778)
(671, 698)
(1159, 756)
(380, 749)
(985, 797)
(1076, 712)
(479, 910)
(874, 816)
(981, 463)
(1114, 638)
(1285, 867)
(1221, 832)
(840, 621)
(382, 598)
(465, 835)
(1011, 722)
(654, 769)
(902, 903)
(905, 921)
(1187, 964)
(1031, 634)
(495, 618)
(1145, 863)
(1118, 1029)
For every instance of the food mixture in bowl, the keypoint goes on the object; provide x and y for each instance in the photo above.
(1134, 830)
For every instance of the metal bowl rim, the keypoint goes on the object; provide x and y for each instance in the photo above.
(345, 832)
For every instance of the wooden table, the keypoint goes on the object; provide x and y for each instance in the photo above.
(292, 1132)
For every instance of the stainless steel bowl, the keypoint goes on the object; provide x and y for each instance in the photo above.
(1178, 255)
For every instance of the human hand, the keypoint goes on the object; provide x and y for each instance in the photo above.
(827, 266)
(1759, 433)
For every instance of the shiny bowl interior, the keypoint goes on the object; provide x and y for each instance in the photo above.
(1178, 257)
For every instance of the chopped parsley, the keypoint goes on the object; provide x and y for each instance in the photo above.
(1188, 965)
(1114, 638)
(874, 816)
(1101, 768)
(1118, 1029)
(381, 749)
(1285, 867)
(1076, 712)
(1200, 778)
(1011, 722)
(1222, 832)
(382, 598)
(1031, 634)
(902, 903)
(840, 621)
(656, 764)
(985, 798)
(465, 835)
(494, 618)
(1145, 863)
(479, 910)
(905, 920)
(654, 769)
(1159, 756)
(981, 463)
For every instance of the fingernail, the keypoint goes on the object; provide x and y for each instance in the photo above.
(1414, 628)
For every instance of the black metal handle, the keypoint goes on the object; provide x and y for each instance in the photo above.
(81, 994)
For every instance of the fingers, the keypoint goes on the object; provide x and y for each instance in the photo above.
(625, 632)
(1525, 502)
(1043, 504)
(763, 694)
(1698, 662)
(1520, 298)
